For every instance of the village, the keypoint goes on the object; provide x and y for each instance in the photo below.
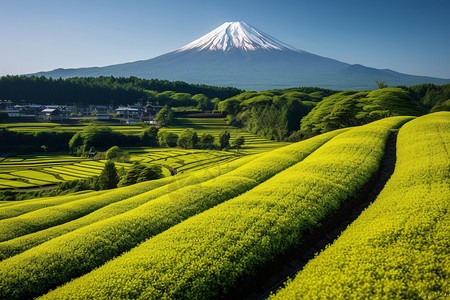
(129, 114)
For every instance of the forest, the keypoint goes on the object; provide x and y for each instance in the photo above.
(99, 90)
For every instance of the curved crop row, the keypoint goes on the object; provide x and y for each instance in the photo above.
(78, 252)
(399, 247)
(6, 203)
(17, 245)
(204, 256)
(26, 206)
(55, 215)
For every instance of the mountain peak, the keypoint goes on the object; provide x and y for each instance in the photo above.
(236, 35)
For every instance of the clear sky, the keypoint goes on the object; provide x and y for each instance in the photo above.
(409, 36)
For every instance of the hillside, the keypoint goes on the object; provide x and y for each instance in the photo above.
(350, 108)
(202, 235)
(298, 113)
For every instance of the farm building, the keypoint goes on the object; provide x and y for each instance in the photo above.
(150, 111)
(51, 114)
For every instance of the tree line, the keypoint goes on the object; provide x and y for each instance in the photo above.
(100, 90)
(430, 96)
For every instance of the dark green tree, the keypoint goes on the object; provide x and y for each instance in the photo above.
(215, 102)
(75, 143)
(230, 106)
(224, 140)
(100, 137)
(108, 179)
(149, 137)
(381, 84)
(116, 154)
(140, 173)
(150, 173)
(165, 116)
(238, 142)
(188, 139)
(204, 103)
(167, 139)
(444, 106)
(206, 141)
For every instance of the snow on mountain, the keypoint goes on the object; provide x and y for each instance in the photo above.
(239, 35)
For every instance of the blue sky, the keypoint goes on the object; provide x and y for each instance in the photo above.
(407, 36)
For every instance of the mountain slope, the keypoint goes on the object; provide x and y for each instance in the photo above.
(237, 54)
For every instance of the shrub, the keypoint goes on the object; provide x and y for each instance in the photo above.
(188, 139)
(116, 154)
(224, 140)
(149, 137)
(207, 141)
(167, 139)
(140, 173)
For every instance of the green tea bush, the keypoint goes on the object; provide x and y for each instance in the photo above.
(398, 248)
(75, 253)
(17, 245)
(205, 255)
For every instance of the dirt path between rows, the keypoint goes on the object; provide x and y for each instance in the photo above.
(271, 277)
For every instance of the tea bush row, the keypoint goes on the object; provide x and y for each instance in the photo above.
(398, 248)
(73, 254)
(207, 254)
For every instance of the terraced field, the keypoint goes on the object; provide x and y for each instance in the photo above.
(200, 234)
(26, 171)
(181, 160)
(40, 126)
(213, 126)
(253, 143)
(38, 170)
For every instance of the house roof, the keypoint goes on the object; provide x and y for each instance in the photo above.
(49, 110)
(127, 109)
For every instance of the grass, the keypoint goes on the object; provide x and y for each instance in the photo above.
(55, 215)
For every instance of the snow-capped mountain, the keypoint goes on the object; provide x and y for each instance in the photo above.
(237, 54)
(236, 35)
